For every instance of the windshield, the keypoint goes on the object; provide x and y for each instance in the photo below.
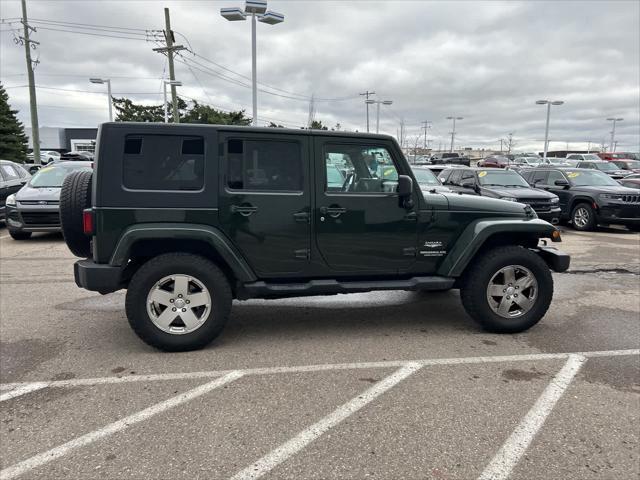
(591, 156)
(606, 167)
(501, 178)
(591, 178)
(556, 160)
(628, 164)
(425, 177)
(55, 175)
(630, 156)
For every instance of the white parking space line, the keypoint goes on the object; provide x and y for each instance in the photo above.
(319, 368)
(4, 236)
(300, 441)
(510, 453)
(24, 389)
(57, 452)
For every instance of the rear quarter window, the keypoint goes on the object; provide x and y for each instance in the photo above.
(163, 162)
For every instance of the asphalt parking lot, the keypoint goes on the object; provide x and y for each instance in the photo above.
(381, 385)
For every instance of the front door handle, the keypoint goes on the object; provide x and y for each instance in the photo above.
(301, 217)
(245, 210)
(333, 212)
(411, 217)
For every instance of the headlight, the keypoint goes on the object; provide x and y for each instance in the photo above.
(555, 200)
(11, 200)
(508, 199)
(610, 196)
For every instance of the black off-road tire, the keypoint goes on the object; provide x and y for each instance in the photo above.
(18, 235)
(173, 264)
(478, 275)
(591, 223)
(75, 196)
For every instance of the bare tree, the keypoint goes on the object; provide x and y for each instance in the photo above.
(509, 142)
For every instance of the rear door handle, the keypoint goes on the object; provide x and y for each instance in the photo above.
(333, 212)
(244, 210)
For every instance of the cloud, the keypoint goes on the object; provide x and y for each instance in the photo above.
(485, 61)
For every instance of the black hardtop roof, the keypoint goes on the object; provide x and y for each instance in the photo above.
(243, 129)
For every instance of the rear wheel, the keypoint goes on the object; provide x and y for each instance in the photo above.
(583, 217)
(75, 196)
(178, 302)
(507, 290)
(18, 235)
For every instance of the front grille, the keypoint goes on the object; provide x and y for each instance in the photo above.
(39, 202)
(539, 205)
(41, 218)
(630, 198)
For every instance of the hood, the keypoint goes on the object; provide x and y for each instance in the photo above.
(477, 203)
(517, 192)
(29, 193)
(435, 189)
(608, 189)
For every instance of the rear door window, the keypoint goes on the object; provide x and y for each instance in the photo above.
(454, 178)
(264, 165)
(163, 162)
(9, 172)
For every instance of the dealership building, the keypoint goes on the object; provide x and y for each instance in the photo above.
(66, 139)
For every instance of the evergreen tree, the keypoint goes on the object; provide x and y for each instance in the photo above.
(13, 141)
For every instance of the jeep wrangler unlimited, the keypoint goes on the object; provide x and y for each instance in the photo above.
(189, 217)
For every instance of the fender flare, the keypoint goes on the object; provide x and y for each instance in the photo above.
(188, 231)
(477, 232)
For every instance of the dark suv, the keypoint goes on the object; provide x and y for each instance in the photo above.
(505, 185)
(589, 197)
(189, 217)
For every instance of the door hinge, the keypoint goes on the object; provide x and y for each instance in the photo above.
(303, 254)
(409, 252)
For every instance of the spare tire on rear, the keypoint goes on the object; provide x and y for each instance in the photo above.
(75, 196)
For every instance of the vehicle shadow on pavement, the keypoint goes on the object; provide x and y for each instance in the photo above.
(388, 313)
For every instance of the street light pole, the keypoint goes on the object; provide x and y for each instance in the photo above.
(377, 102)
(548, 103)
(613, 132)
(258, 10)
(453, 132)
(108, 82)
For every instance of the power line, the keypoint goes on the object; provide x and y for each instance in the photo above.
(95, 34)
(87, 24)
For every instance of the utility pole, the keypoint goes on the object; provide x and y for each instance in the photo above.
(33, 106)
(169, 50)
(426, 125)
(367, 94)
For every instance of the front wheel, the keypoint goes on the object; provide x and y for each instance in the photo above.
(583, 217)
(508, 290)
(178, 302)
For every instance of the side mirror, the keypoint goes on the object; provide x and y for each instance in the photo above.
(561, 183)
(405, 186)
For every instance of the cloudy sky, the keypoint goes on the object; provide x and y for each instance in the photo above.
(485, 61)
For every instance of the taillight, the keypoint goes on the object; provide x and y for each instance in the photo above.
(88, 222)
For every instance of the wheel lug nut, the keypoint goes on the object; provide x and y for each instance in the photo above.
(173, 309)
(188, 301)
(179, 295)
(184, 309)
(171, 300)
(504, 291)
(508, 297)
(516, 295)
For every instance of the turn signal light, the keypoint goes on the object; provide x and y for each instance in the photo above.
(87, 222)
(555, 236)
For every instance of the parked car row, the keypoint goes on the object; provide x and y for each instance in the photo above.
(584, 196)
(32, 205)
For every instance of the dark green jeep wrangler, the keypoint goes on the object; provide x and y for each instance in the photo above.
(189, 217)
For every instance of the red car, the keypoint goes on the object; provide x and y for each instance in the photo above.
(611, 156)
(494, 161)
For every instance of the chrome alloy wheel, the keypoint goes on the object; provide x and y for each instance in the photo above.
(512, 291)
(581, 217)
(178, 304)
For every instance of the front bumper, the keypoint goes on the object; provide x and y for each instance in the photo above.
(557, 260)
(33, 218)
(551, 215)
(620, 214)
(97, 277)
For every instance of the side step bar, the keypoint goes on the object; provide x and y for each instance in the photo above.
(332, 287)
